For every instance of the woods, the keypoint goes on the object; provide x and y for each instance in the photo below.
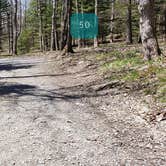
(45, 24)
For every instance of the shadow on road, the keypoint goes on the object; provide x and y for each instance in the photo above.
(19, 89)
(10, 66)
(23, 90)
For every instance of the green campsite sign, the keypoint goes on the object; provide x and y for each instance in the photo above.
(84, 26)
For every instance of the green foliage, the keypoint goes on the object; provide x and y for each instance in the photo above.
(124, 63)
(29, 38)
(127, 59)
(25, 41)
(4, 6)
(129, 68)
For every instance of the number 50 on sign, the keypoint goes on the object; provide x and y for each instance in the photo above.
(84, 26)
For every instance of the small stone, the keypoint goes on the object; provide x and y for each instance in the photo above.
(68, 121)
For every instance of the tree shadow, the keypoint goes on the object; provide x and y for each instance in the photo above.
(19, 89)
(25, 90)
(10, 66)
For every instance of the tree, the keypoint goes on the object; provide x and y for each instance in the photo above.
(96, 12)
(41, 38)
(15, 27)
(69, 38)
(112, 21)
(54, 36)
(147, 29)
(129, 39)
(165, 22)
(0, 31)
(63, 22)
(77, 11)
(48, 23)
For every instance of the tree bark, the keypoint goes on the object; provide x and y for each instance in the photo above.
(15, 28)
(0, 32)
(64, 17)
(77, 11)
(96, 12)
(147, 29)
(54, 37)
(41, 38)
(165, 22)
(69, 38)
(10, 26)
(129, 35)
(112, 21)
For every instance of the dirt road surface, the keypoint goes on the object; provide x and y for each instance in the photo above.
(51, 116)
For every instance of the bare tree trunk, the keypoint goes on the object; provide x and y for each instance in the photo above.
(20, 18)
(69, 38)
(25, 14)
(15, 27)
(82, 11)
(11, 29)
(64, 24)
(77, 11)
(54, 37)
(41, 39)
(129, 39)
(96, 12)
(0, 32)
(45, 35)
(147, 30)
(165, 22)
(9, 32)
(112, 21)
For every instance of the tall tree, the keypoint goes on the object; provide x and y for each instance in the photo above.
(69, 38)
(15, 27)
(147, 29)
(165, 22)
(10, 28)
(0, 31)
(41, 38)
(112, 20)
(96, 12)
(54, 35)
(64, 12)
(77, 11)
(129, 38)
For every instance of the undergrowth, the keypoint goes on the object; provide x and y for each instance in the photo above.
(129, 67)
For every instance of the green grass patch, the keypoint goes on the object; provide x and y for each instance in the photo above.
(129, 67)
(120, 64)
(131, 76)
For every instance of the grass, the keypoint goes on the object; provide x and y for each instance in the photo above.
(129, 67)
(120, 64)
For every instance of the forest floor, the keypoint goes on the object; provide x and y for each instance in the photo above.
(64, 111)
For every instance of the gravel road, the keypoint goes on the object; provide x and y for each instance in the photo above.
(49, 118)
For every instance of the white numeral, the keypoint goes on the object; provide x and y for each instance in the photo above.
(85, 24)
